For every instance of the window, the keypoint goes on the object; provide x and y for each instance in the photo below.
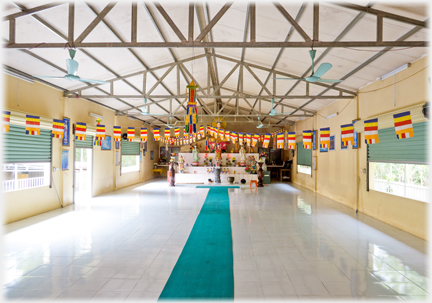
(17, 176)
(27, 159)
(130, 163)
(399, 166)
(130, 160)
(405, 180)
(304, 159)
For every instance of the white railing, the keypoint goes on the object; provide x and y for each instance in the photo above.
(11, 185)
(411, 191)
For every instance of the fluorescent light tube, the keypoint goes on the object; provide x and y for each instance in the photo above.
(332, 115)
(96, 115)
(394, 72)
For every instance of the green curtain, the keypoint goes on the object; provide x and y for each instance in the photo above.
(304, 156)
(130, 148)
(87, 143)
(411, 150)
(19, 147)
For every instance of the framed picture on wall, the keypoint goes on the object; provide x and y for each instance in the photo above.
(106, 143)
(332, 143)
(342, 145)
(151, 155)
(323, 149)
(314, 140)
(65, 160)
(66, 132)
(117, 144)
(356, 138)
(117, 158)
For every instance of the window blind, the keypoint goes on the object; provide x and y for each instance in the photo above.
(87, 143)
(304, 156)
(130, 148)
(19, 147)
(392, 150)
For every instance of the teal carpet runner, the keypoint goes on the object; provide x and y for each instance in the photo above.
(204, 269)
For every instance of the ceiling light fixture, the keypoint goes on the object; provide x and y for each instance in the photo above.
(399, 69)
(332, 115)
(96, 115)
(18, 75)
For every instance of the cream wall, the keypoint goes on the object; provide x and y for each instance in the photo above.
(339, 171)
(44, 101)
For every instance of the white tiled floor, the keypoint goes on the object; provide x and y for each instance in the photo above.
(288, 243)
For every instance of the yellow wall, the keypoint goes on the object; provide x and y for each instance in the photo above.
(44, 101)
(338, 171)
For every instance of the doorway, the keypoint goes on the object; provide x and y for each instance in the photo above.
(83, 174)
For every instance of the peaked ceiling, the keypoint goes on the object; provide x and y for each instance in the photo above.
(233, 51)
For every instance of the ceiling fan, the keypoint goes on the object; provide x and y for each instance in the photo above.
(315, 76)
(72, 67)
(273, 110)
(262, 125)
(144, 110)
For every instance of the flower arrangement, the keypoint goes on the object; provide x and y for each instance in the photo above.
(173, 154)
(210, 159)
(248, 169)
(263, 154)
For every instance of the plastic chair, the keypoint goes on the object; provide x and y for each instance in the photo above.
(252, 182)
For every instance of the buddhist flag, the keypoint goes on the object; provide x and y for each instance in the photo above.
(325, 137)
(240, 136)
(117, 133)
(100, 134)
(248, 139)
(206, 145)
(291, 140)
(347, 134)
(156, 134)
(307, 139)
(266, 140)
(57, 128)
(221, 134)
(255, 138)
(233, 137)
(80, 131)
(371, 131)
(131, 134)
(227, 135)
(167, 133)
(280, 140)
(208, 129)
(143, 134)
(403, 125)
(32, 125)
(5, 121)
(177, 132)
(201, 132)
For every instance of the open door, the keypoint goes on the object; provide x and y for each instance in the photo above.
(83, 170)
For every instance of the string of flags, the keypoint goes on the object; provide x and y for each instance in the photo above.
(282, 138)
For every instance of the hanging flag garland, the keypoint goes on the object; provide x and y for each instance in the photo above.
(80, 131)
(307, 139)
(202, 132)
(325, 137)
(347, 134)
(403, 125)
(5, 121)
(143, 134)
(156, 134)
(100, 134)
(240, 136)
(32, 125)
(371, 131)
(280, 140)
(266, 140)
(167, 133)
(254, 140)
(57, 128)
(291, 140)
(191, 110)
(131, 134)
(117, 133)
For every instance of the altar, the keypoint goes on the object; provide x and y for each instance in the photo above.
(202, 173)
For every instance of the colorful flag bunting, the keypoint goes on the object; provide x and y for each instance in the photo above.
(266, 140)
(280, 140)
(117, 133)
(255, 138)
(403, 125)
(240, 136)
(57, 128)
(143, 134)
(248, 139)
(307, 139)
(5, 121)
(347, 134)
(100, 134)
(131, 134)
(156, 134)
(371, 131)
(291, 140)
(32, 125)
(80, 131)
(177, 132)
(191, 110)
(325, 137)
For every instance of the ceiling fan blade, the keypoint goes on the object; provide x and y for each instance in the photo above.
(322, 69)
(93, 81)
(329, 80)
(277, 114)
(71, 66)
(49, 77)
(289, 78)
